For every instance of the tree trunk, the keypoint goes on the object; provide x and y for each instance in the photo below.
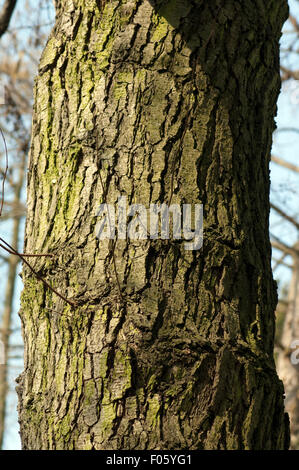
(166, 348)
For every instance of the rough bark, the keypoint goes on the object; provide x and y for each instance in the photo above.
(160, 101)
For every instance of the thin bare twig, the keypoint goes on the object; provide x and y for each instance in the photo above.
(282, 162)
(285, 216)
(37, 275)
(280, 261)
(279, 245)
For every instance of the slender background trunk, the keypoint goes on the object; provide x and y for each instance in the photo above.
(6, 324)
(169, 102)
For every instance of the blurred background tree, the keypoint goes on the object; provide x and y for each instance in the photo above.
(24, 28)
(285, 219)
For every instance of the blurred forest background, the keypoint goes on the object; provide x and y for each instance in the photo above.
(21, 44)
